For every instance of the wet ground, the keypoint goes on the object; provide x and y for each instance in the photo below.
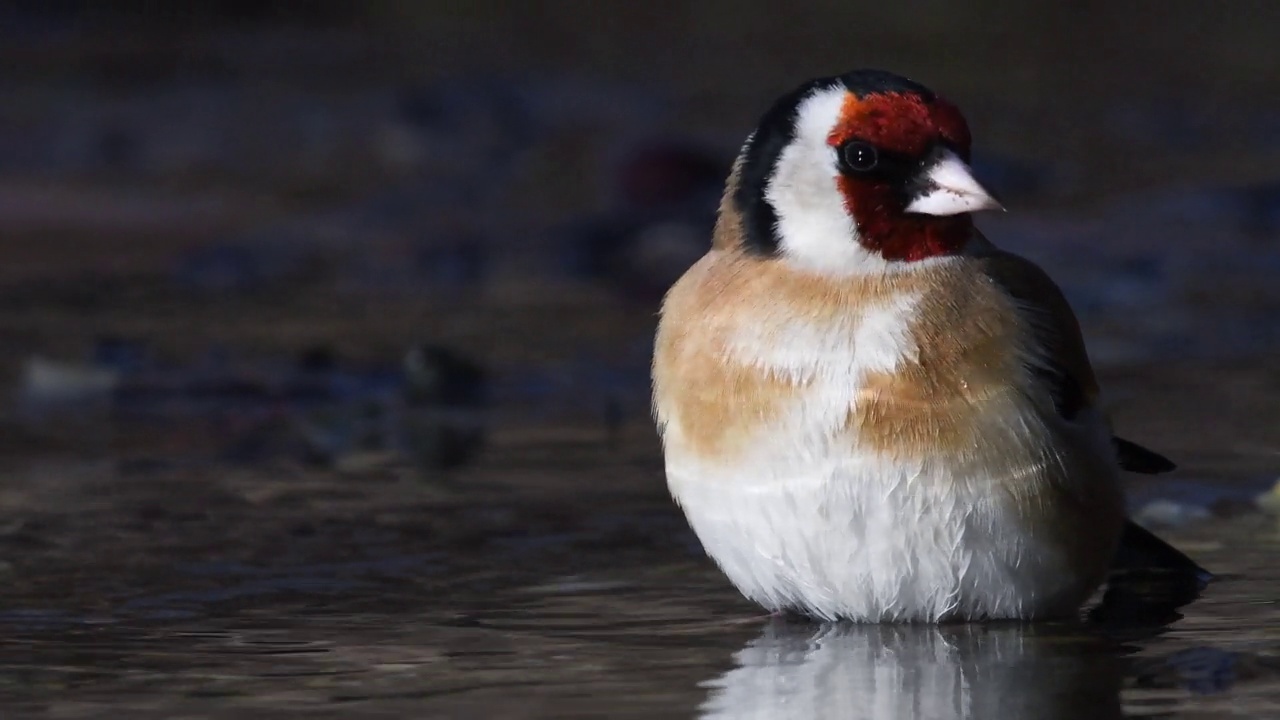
(553, 578)
(175, 240)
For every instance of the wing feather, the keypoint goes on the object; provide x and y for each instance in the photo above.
(1061, 365)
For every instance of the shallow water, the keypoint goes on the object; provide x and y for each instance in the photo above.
(364, 596)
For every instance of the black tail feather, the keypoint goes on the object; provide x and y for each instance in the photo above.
(1135, 458)
(1150, 581)
(1141, 550)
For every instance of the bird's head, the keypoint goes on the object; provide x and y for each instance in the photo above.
(857, 173)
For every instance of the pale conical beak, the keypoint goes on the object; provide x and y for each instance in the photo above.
(946, 187)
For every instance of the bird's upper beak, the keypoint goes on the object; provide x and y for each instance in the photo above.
(946, 187)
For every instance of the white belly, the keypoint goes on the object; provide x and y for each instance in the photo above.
(871, 542)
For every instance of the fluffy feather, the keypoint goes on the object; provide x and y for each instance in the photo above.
(873, 448)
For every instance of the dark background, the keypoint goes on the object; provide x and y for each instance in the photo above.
(269, 177)
(201, 203)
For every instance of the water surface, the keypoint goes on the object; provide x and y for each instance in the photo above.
(181, 594)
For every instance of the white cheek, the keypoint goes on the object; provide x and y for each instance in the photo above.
(815, 229)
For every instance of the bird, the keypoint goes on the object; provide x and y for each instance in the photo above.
(868, 411)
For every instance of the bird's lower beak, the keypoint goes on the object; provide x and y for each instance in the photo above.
(946, 187)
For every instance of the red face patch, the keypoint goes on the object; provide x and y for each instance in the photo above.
(904, 124)
(951, 126)
(901, 123)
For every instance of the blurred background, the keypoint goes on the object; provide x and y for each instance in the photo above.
(220, 217)
(299, 281)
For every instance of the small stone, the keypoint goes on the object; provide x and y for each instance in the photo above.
(1169, 513)
(1269, 501)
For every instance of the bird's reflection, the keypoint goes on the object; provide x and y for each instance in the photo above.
(914, 672)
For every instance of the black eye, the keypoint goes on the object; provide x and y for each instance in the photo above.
(859, 156)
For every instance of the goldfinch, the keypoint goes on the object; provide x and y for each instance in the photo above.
(868, 411)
